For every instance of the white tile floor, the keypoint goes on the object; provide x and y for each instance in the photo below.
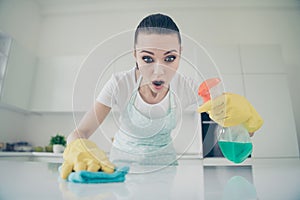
(191, 179)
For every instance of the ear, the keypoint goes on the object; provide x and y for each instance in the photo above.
(134, 53)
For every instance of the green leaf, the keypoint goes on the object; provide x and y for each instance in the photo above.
(58, 139)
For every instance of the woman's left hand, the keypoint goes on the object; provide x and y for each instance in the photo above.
(232, 109)
(83, 154)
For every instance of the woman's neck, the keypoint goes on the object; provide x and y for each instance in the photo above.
(152, 97)
(147, 94)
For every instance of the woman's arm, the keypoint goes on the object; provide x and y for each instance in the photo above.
(90, 122)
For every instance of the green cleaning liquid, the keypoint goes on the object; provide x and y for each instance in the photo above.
(236, 152)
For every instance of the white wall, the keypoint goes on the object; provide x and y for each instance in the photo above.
(13, 125)
(73, 30)
(21, 20)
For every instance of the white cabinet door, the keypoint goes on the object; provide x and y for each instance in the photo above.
(53, 84)
(261, 59)
(18, 77)
(226, 57)
(269, 94)
(233, 83)
(211, 61)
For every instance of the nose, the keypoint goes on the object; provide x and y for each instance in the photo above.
(158, 69)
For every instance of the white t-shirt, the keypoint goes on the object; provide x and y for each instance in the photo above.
(118, 90)
(152, 110)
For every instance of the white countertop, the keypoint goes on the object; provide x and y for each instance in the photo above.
(14, 154)
(191, 179)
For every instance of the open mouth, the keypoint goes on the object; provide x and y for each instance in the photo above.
(158, 83)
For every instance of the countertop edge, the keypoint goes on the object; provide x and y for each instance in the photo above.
(20, 154)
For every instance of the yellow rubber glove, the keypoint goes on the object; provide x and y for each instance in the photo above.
(231, 110)
(83, 154)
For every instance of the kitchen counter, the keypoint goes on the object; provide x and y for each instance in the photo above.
(15, 153)
(32, 156)
(191, 179)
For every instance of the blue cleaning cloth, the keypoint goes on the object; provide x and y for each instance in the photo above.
(98, 177)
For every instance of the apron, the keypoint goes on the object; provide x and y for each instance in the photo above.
(143, 140)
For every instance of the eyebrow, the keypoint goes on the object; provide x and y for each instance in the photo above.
(149, 52)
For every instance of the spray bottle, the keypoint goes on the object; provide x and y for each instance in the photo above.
(234, 141)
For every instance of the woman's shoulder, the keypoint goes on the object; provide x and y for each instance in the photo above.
(186, 89)
(128, 75)
(124, 81)
(182, 82)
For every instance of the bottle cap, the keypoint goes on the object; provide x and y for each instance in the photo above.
(205, 87)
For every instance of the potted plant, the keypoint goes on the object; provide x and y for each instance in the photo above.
(58, 142)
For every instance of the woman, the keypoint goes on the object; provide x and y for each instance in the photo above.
(149, 97)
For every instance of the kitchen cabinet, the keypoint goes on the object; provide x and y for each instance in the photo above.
(262, 59)
(18, 78)
(270, 96)
(68, 83)
(5, 43)
(234, 83)
(226, 58)
(262, 79)
(32, 156)
(54, 83)
(266, 88)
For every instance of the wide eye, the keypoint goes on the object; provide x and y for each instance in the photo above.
(170, 58)
(147, 59)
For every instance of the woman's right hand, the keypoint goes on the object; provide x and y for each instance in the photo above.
(232, 109)
(83, 154)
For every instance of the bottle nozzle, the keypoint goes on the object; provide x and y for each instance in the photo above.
(205, 87)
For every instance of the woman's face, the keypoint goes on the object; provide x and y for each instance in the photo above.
(157, 56)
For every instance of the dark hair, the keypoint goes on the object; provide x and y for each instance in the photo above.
(159, 24)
